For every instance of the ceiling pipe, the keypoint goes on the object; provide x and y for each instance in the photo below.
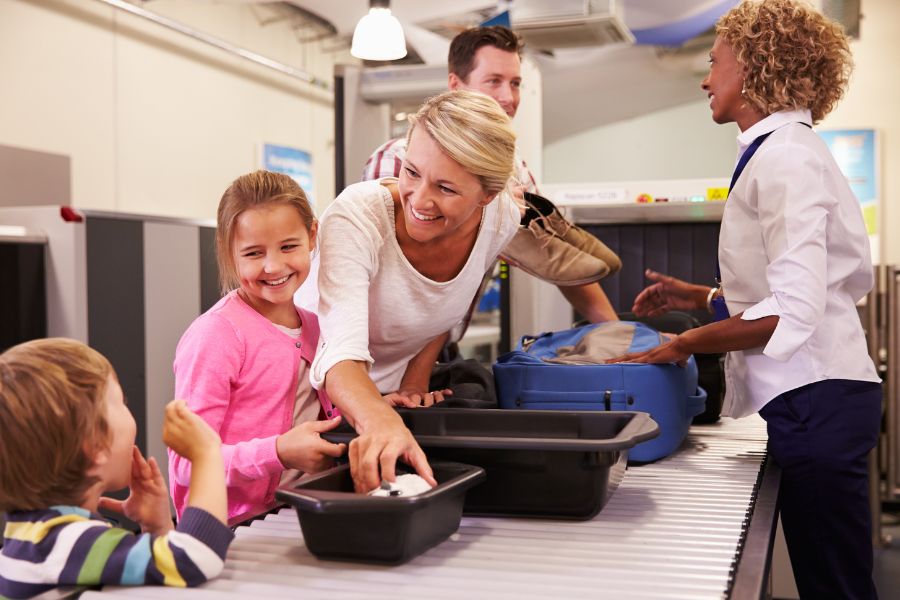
(220, 44)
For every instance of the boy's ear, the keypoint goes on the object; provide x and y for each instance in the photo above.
(99, 455)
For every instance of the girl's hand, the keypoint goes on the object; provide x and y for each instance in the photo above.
(148, 498)
(666, 294)
(187, 434)
(416, 398)
(301, 447)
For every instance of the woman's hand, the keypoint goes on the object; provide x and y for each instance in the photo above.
(415, 398)
(383, 438)
(668, 293)
(374, 454)
(148, 498)
(672, 351)
(301, 447)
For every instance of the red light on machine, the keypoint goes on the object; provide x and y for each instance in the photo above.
(70, 215)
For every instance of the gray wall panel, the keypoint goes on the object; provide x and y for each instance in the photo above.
(33, 178)
(172, 302)
(23, 304)
(115, 293)
(209, 270)
(683, 250)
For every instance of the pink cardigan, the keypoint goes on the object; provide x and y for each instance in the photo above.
(239, 373)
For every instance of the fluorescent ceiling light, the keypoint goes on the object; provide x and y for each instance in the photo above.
(378, 35)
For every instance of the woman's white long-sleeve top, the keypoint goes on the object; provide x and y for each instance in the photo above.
(793, 244)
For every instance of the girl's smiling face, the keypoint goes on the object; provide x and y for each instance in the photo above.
(272, 250)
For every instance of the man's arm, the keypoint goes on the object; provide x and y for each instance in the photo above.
(590, 301)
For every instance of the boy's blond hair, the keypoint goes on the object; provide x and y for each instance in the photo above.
(52, 422)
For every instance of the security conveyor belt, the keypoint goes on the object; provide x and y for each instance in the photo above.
(672, 530)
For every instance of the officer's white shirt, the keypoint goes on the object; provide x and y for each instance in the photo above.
(793, 244)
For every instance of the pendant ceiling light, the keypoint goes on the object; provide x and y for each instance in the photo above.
(378, 35)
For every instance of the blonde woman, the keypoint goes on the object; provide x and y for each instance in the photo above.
(794, 260)
(401, 260)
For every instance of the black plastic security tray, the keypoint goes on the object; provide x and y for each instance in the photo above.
(342, 525)
(539, 463)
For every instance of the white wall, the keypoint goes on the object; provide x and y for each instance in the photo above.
(676, 143)
(530, 139)
(156, 122)
(871, 102)
(683, 142)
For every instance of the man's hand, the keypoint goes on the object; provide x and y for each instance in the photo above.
(517, 193)
(148, 498)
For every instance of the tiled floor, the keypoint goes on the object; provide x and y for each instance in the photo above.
(886, 568)
(887, 560)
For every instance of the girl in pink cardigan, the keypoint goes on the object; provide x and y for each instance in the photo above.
(243, 365)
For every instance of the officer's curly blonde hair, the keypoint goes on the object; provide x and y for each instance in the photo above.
(794, 57)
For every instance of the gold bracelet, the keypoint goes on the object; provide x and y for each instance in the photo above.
(709, 298)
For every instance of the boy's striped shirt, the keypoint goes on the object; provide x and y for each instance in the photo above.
(67, 545)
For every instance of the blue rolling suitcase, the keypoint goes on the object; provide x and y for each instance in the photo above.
(526, 380)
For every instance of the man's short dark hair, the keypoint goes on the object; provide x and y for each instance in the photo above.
(461, 59)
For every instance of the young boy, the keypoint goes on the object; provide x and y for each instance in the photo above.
(66, 436)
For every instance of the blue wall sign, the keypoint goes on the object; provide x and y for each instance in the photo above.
(295, 163)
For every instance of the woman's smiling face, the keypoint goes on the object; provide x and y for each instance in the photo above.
(724, 86)
(437, 194)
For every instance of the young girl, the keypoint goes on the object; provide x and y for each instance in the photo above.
(242, 365)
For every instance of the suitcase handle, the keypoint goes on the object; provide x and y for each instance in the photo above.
(696, 404)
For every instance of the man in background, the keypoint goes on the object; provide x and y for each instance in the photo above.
(488, 60)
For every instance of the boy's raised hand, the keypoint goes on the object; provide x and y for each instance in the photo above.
(148, 498)
(192, 438)
(301, 447)
(187, 434)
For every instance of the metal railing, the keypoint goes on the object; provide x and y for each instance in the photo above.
(881, 319)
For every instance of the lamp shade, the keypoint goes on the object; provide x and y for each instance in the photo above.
(378, 36)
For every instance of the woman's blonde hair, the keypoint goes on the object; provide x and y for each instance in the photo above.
(52, 422)
(474, 131)
(253, 190)
(794, 57)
